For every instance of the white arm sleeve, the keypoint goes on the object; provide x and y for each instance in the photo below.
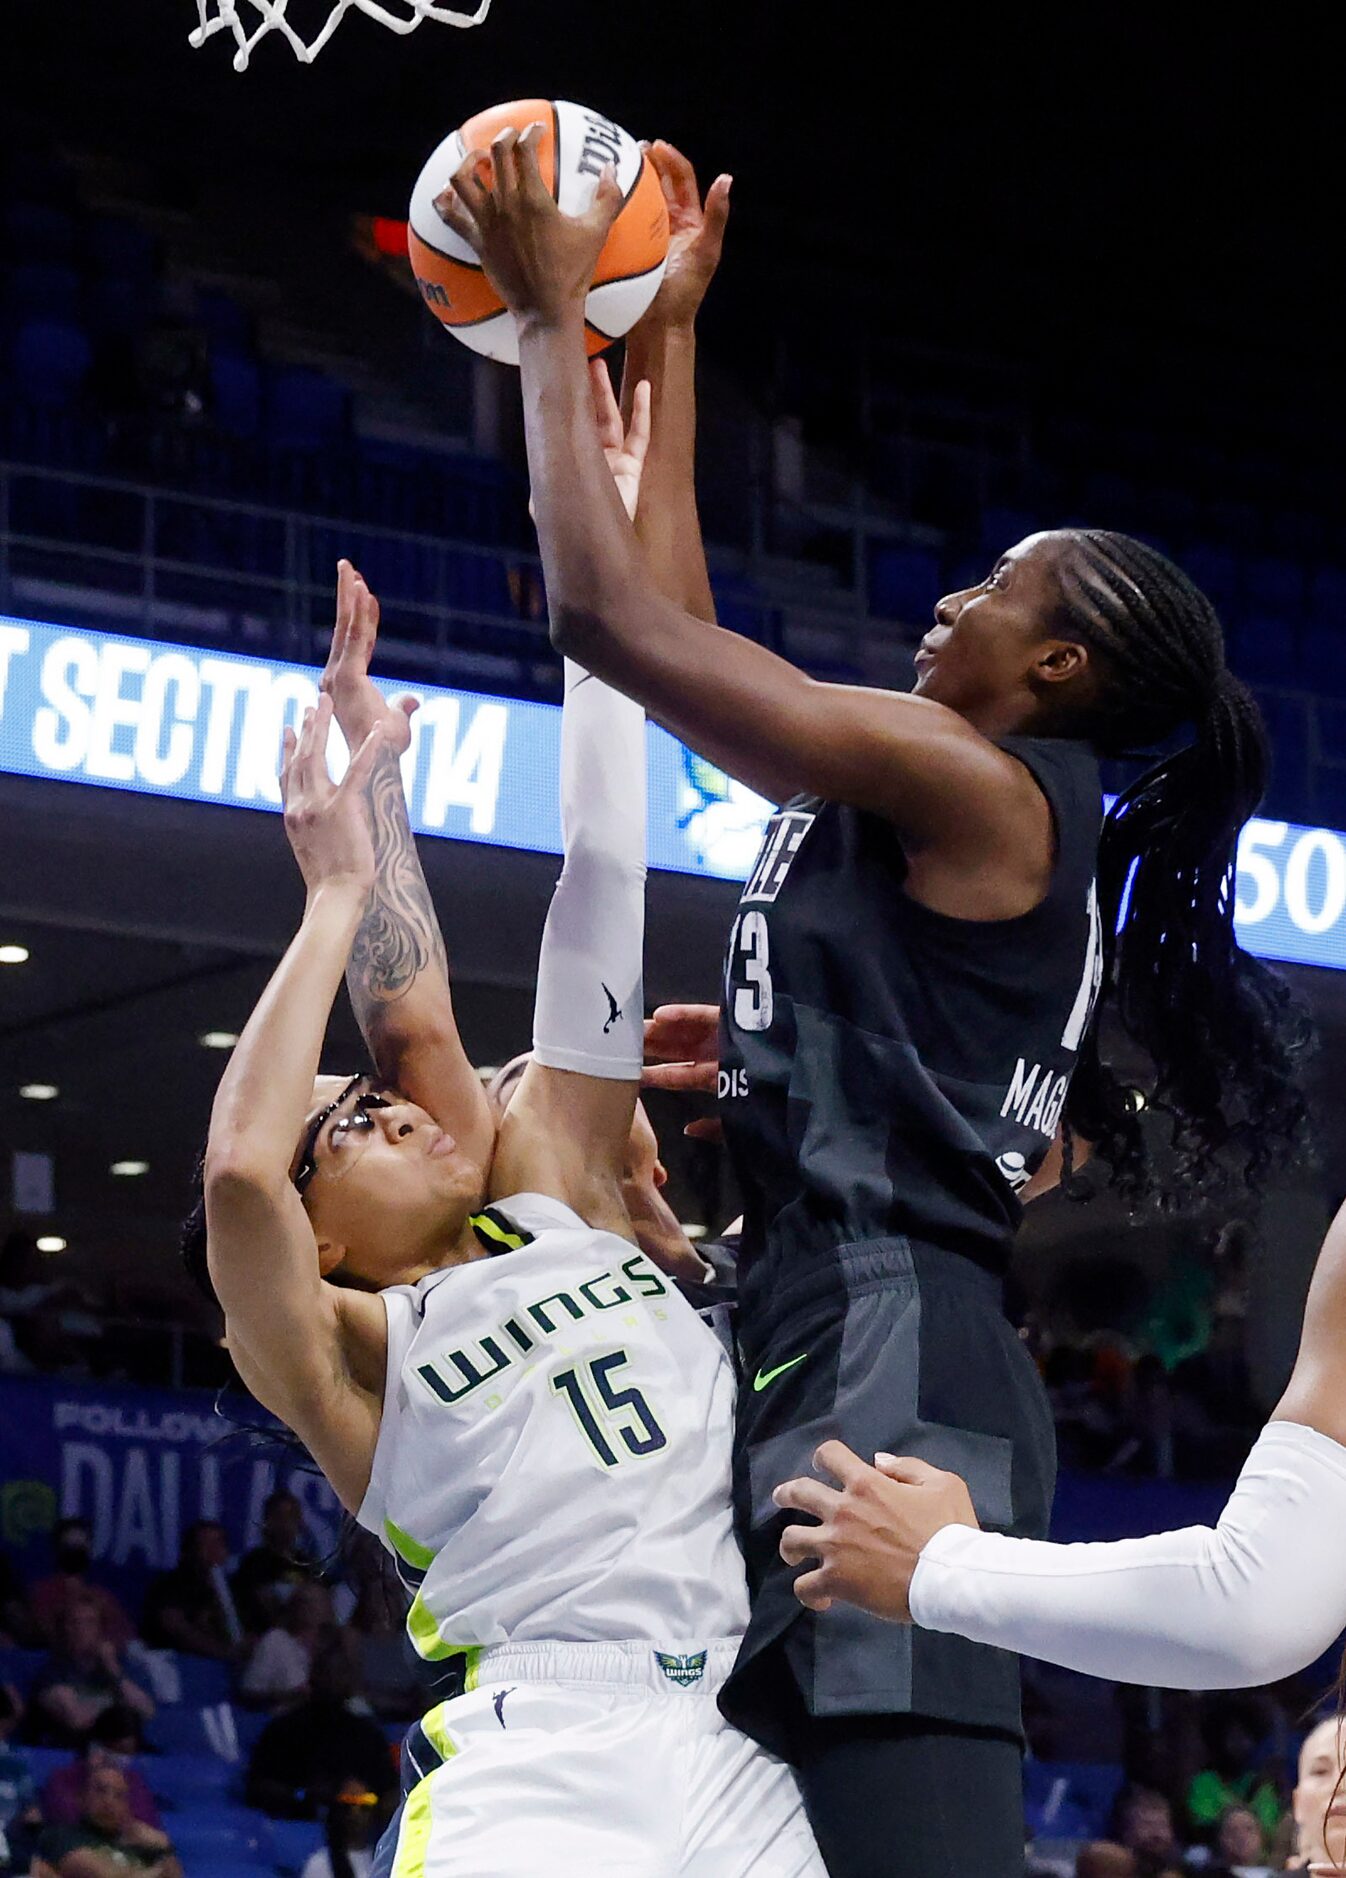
(1257, 1597)
(590, 1011)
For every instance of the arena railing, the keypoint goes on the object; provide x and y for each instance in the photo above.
(89, 549)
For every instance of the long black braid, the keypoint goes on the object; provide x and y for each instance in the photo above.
(1222, 1031)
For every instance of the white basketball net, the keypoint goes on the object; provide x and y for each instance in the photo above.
(237, 17)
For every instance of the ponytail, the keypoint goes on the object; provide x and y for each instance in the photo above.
(1222, 1031)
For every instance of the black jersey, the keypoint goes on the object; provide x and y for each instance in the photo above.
(889, 1070)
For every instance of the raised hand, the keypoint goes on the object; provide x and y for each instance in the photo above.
(871, 1531)
(329, 824)
(625, 447)
(345, 679)
(540, 261)
(696, 237)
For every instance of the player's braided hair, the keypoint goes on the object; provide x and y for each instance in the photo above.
(1222, 1031)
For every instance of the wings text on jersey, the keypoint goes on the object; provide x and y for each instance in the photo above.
(455, 1374)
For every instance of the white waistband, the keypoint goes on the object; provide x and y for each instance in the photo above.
(676, 1665)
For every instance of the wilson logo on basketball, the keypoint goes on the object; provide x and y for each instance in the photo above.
(575, 147)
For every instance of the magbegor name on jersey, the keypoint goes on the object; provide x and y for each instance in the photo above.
(1035, 1098)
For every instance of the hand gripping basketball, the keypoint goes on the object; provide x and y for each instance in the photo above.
(540, 261)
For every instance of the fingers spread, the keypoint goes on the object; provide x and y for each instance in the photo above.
(607, 203)
(528, 167)
(638, 435)
(801, 1543)
(678, 178)
(834, 1457)
(906, 1468)
(503, 165)
(717, 214)
(606, 409)
(808, 1496)
(809, 1590)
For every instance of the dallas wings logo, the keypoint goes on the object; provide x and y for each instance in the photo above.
(722, 820)
(683, 1670)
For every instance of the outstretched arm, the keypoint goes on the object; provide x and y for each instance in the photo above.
(661, 352)
(1252, 1599)
(398, 975)
(567, 1131)
(307, 1351)
(961, 804)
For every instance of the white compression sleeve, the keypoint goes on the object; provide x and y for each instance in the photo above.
(1253, 1599)
(590, 1010)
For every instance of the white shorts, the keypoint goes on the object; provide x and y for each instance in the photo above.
(591, 1758)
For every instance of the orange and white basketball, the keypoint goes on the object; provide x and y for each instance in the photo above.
(576, 143)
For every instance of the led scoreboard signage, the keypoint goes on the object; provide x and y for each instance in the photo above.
(205, 726)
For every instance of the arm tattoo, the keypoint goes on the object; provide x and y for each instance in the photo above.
(399, 936)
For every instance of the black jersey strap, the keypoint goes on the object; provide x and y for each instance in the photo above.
(497, 1233)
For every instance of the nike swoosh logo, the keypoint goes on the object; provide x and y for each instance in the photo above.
(764, 1376)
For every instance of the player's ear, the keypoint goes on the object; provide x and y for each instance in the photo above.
(330, 1256)
(660, 1175)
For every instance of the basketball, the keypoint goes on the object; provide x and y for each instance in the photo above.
(576, 144)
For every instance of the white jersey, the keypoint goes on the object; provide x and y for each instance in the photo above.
(553, 1460)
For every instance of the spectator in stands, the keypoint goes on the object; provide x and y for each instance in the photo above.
(114, 1741)
(20, 1815)
(1144, 1824)
(106, 1841)
(267, 1575)
(17, 1628)
(1320, 1795)
(83, 1676)
(192, 1607)
(354, 1821)
(1240, 1843)
(278, 1671)
(303, 1758)
(72, 1543)
(391, 1673)
(1234, 1775)
(1103, 1859)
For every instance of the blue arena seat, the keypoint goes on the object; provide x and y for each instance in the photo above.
(116, 246)
(20, 1667)
(1216, 572)
(236, 394)
(194, 1729)
(116, 305)
(1275, 584)
(1070, 1799)
(40, 290)
(204, 1681)
(51, 359)
(220, 1831)
(44, 1762)
(1323, 657)
(38, 231)
(1265, 648)
(294, 1841)
(305, 410)
(228, 1865)
(182, 1780)
(1327, 598)
(904, 581)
